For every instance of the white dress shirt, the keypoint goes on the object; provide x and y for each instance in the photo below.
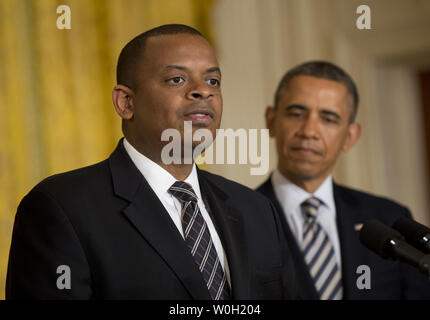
(291, 196)
(160, 181)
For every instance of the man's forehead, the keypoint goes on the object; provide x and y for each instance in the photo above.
(176, 42)
(166, 49)
(308, 87)
(309, 83)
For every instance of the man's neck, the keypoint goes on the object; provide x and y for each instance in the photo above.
(178, 171)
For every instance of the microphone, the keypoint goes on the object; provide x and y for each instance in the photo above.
(415, 233)
(389, 244)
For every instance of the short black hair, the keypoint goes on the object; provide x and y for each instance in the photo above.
(131, 54)
(325, 70)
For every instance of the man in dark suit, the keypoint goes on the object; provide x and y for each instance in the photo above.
(313, 121)
(138, 227)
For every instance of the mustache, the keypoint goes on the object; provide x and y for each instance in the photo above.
(200, 107)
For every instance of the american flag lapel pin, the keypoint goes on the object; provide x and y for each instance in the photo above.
(358, 226)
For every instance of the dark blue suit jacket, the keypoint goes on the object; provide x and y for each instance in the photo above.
(389, 280)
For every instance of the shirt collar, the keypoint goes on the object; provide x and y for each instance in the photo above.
(159, 179)
(291, 196)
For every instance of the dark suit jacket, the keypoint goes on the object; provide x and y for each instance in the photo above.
(105, 223)
(389, 280)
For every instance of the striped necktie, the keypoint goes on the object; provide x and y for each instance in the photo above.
(199, 241)
(319, 254)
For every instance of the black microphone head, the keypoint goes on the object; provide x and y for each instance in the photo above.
(409, 226)
(376, 236)
(414, 232)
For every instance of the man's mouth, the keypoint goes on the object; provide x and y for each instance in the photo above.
(306, 150)
(200, 116)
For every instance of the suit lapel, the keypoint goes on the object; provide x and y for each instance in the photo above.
(229, 225)
(348, 216)
(307, 287)
(352, 253)
(149, 217)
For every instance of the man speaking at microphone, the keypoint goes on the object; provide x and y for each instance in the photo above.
(313, 121)
(134, 227)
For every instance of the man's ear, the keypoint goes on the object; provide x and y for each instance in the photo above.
(122, 97)
(354, 132)
(270, 120)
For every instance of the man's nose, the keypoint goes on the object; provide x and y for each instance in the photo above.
(309, 128)
(199, 91)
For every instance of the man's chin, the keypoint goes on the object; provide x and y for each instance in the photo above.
(303, 172)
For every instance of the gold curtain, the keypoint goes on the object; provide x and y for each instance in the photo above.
(56, 112)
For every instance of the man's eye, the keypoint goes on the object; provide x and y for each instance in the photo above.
(329, 120)
(294, 114)
(213, 82)
(176, 80)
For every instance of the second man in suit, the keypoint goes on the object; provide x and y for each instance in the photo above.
(313, 121)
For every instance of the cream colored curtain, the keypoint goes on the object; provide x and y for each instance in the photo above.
(56, 112)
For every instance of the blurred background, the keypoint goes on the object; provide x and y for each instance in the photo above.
(56, 112)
